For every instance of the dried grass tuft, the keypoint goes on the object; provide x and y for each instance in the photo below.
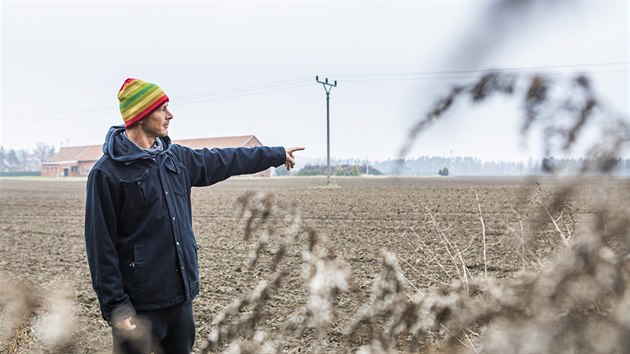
(29, 316)
(237, 325)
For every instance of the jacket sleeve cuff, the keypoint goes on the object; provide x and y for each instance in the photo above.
(281, 156)
(120, 313)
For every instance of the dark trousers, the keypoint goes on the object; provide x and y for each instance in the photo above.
(164, 331)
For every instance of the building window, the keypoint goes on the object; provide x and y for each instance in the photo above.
(75, 169)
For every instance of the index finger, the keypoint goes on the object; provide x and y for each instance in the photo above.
(296, 148)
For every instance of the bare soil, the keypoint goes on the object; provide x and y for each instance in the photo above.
(41, 239)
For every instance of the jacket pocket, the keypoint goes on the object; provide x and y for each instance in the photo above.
(137, 264)
(136, 270)
(139, 192)
(177, 176)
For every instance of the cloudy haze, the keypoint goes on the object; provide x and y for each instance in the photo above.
(249, 67)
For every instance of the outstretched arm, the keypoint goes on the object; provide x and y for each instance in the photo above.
(208, 166)
(290, 162)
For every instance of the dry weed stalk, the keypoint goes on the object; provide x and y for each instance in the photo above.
(256, 209)
(451, 250)
(422, 248)
(387, 298)
(562, 109)
(30, 317)
(326, 278)
(409, 319)
(581, 295)
(245, 325)
(18, 301)
(483, 234)
(554, 309)
(569, 304)
(521, 235)
(560, 205)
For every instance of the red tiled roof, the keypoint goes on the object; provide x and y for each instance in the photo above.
(220, 142)
(94, 152)
(77, 153)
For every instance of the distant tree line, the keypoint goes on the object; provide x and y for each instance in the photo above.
(21, 160)
(338, 170)
(470, 166)
(457, 166)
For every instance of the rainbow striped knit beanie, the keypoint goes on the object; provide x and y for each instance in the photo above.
(138, 99)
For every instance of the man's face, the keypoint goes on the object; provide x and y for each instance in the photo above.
(156, 124)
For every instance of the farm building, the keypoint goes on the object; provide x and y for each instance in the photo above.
(78, 160)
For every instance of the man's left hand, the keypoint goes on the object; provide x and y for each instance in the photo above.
(290, 161)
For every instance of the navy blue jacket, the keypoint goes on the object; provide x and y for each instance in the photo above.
(140, 244)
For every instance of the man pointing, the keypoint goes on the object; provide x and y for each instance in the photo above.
(140, 244)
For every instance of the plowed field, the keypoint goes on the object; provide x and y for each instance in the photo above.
(41, 239)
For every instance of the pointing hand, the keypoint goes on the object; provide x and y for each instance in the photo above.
(290, 161)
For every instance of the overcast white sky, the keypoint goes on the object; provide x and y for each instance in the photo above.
(248, 67)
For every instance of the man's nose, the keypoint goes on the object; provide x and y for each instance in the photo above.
(169, 115)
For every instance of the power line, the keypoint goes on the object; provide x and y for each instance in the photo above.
(469, 76)
(221, 96)
(304, 81)
(478, 71)
(187, 99)
(273, 84)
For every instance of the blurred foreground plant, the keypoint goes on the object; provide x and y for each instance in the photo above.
(27, 314)
(577, 300)
(238, 323)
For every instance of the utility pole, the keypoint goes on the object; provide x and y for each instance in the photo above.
(327, 87)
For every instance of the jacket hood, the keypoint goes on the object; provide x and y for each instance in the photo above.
(120, 148)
